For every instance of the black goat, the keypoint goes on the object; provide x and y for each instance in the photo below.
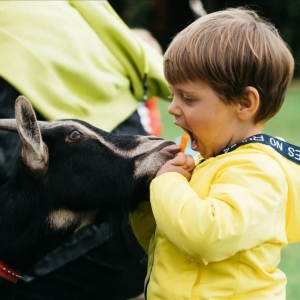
(70, 174)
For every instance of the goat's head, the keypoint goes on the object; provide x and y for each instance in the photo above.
(71, 173)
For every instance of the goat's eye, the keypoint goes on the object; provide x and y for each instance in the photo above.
(75, 135)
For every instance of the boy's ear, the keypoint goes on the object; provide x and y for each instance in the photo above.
(249, 105)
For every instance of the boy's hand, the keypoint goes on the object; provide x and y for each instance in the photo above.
(182, 163)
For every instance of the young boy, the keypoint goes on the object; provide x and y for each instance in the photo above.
(221, 224)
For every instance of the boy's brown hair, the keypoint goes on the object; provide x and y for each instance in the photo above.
(230, 50)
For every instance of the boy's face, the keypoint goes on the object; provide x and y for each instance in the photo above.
(212, 124)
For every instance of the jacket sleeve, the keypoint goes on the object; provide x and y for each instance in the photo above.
(143, 224)
(239, 212)
(138, 58)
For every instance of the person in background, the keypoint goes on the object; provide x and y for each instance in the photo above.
(215, 225)
(77, 59)
(149, 111)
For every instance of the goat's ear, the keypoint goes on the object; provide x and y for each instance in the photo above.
(34, 151)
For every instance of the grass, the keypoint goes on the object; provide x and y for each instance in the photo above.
(285, 124)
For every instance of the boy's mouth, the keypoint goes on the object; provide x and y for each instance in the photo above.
(194, 142)
(193, 139)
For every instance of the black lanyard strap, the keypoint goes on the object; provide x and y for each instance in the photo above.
(289, 151)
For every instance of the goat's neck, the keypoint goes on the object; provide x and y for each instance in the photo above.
(24, 226)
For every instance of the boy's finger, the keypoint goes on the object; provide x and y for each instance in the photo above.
(179, 159)
(190, 163)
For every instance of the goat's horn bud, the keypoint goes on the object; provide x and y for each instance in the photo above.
(8, 125)
(11, 125)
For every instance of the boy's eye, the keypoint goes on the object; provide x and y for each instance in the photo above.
(187, 99)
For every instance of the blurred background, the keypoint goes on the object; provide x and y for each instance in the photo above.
(165, 18)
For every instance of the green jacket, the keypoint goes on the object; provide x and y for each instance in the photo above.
(76, 59)
(219, 236)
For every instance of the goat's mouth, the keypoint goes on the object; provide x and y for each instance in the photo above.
(170, 149)
(166, 146)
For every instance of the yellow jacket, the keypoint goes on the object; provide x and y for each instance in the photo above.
(77, 59)
(220, 235)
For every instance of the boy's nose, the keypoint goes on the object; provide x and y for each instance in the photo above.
(173, 109)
